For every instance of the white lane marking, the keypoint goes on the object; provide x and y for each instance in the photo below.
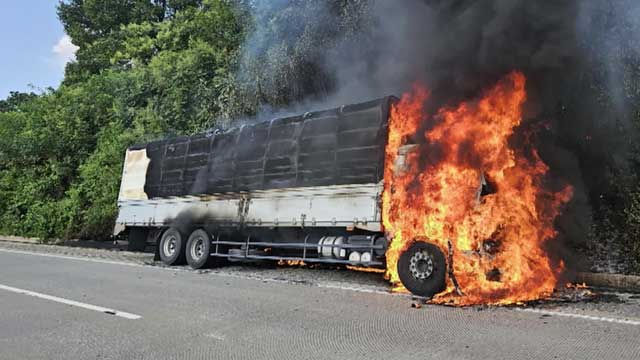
(103, 261)
(370, 290)
(580, 316)
(215, 336)
(122, 314)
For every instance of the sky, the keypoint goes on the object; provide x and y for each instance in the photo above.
(34, 47)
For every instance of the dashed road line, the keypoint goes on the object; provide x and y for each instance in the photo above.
(581, 316)
(79, 304)
(67, 257)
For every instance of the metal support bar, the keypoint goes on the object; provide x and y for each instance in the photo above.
(372, 244)
(304, 250)
(316, 260)
(248, 244)
(333, 246)
(300, 245)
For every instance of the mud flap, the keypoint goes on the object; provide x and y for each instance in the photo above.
(156, 240)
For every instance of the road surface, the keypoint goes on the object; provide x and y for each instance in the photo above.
(59, 307)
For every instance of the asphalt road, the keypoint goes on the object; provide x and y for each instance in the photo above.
(165, 313)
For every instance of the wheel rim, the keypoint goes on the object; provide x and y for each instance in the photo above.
(197, 249)
(421, 265)
(169, 247)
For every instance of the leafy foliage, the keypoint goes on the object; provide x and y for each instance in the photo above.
(15, 99)
(144, 69)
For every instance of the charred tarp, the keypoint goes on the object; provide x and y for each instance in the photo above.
(332, 147)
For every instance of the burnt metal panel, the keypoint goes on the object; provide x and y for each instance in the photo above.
(332, 147)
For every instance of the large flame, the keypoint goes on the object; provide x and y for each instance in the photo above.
(498, 240)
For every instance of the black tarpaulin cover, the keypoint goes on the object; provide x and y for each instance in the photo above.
(332, 147)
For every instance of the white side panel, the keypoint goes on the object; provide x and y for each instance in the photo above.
(323, 206)
(195, 207)
(134, 175)
(315, 206)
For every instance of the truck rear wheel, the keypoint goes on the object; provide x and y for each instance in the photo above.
(171, 247)
(422, 269)
(198, 249)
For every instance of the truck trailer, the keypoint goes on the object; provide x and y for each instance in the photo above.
(304, 188)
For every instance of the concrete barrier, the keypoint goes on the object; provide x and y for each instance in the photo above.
(19, 239)
(617, 281)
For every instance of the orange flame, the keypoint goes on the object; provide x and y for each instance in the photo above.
(365, 269)
(291, 263)
(499, 239)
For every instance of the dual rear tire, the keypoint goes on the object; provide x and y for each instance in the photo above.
(175, 249)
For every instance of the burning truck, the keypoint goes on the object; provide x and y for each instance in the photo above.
(444, 200)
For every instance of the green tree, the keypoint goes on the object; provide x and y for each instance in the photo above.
(15, 99)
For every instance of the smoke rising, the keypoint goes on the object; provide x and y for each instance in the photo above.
(455, 47)
(375, 48)
(577, 56)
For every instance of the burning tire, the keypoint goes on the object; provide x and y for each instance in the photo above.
(422, 269)
(171, 247)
